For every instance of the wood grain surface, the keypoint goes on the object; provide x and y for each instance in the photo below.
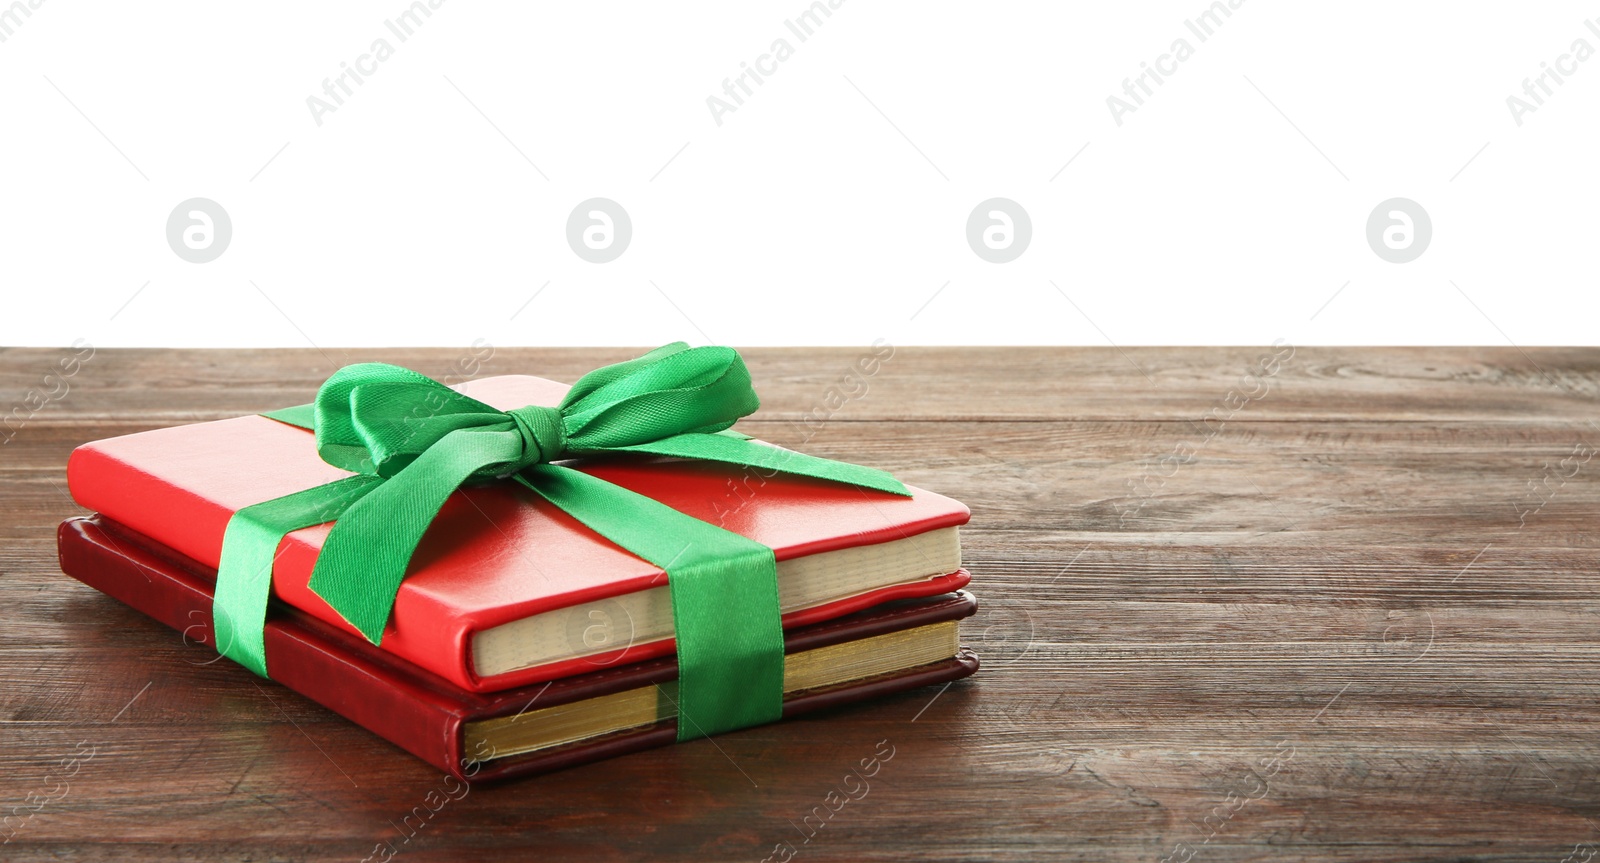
(1236, 604)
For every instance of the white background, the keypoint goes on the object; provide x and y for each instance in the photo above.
(1229, 209)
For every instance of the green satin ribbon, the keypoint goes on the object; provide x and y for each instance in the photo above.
(410, 442)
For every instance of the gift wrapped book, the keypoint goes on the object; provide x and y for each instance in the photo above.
(515, 576)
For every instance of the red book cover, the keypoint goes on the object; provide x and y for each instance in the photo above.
(425, 714)
(496, 553)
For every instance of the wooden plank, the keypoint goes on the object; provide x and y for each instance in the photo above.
(1504, 384)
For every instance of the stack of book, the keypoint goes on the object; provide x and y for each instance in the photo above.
(520, 641)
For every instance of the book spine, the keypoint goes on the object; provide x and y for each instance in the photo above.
(407, 714)
(149, 505)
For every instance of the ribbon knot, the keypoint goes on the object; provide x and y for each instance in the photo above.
(543, 437)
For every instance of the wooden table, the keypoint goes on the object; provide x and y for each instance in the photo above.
(1241, 603)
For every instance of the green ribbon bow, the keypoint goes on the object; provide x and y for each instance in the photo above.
(411, 442)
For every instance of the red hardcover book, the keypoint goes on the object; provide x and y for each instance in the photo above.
(480, 736)
(498, 557)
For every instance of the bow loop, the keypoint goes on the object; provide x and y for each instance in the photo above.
(375, 418)
(670, 391)
(397, 423)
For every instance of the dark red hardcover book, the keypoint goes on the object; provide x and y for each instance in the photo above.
(426, 714)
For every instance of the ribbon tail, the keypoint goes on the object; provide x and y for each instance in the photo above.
(365, 556)
(249, 548)
(723, 448)
(726, 617)
(300, 416)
